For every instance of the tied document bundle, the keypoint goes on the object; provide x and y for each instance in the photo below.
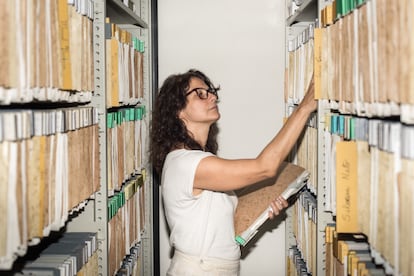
(254, 201)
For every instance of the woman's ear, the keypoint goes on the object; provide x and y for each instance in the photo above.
(182, 116)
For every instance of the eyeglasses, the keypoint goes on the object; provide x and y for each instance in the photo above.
(202, 93)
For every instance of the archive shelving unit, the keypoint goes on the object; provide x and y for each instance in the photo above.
(94, 212)
(362, 62)
(301, 17)
(138, 23)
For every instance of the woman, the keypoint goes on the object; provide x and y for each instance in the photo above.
(197, 186)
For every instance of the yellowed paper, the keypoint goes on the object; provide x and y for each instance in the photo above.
(364, 187)
(346, 187)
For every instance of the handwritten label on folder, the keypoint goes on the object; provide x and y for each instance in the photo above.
(346, 187)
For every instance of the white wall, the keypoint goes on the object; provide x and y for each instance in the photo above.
(239, 44)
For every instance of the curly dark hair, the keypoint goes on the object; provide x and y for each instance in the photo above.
(168, 131)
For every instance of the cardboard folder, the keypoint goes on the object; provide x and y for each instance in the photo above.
(254, 201)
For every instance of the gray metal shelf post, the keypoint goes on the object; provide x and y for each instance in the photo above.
(99, 101)
(147, 236)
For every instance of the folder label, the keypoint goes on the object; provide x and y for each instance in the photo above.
(346, 191)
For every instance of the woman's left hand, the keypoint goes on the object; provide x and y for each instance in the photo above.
(277, 206)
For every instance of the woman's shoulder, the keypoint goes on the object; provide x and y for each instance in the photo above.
(184, 158)
(183, 161)
(187, 154)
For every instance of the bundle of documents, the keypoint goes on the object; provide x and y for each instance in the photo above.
(126, 220)
(74, 254)
(369, 165)
(253, 207)
(46, 52)
(364, 58)
(50, 165)
(124, 67)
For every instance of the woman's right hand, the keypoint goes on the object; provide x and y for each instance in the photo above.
(308, 100)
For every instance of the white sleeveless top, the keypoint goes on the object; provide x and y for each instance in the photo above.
(201, 225)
